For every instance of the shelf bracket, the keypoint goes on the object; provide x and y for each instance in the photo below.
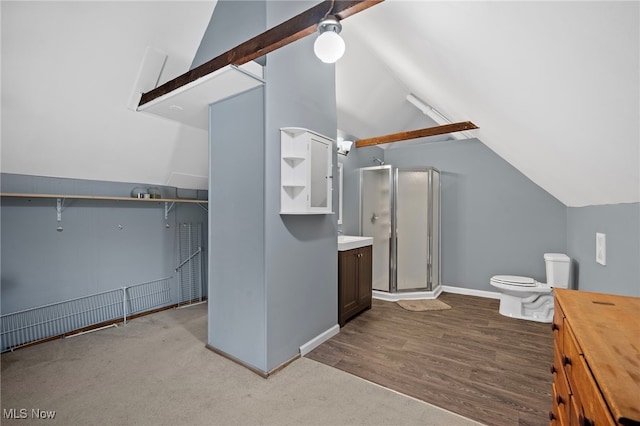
(59, 204)
(203, 207)
(167, 208)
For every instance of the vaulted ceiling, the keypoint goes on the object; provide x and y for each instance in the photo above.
(68, 69)
(553, 86)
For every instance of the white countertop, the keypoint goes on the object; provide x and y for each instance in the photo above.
(350, 242)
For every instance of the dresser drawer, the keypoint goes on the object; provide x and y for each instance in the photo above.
(570, 355)
(562, 394)
(557, 325)
(588, 408)
(554, 414)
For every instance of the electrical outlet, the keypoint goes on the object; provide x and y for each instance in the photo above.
(601, 248)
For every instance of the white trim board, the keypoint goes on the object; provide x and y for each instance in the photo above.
(471, 292)
(189, 104)
(319, 339)
(416, 295)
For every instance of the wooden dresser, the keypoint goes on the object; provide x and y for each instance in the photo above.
(596, 364)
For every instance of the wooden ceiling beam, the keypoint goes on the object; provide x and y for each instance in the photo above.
(298, 27)
(414, 134)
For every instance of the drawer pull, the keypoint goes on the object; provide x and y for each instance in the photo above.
(554, 326)
(585, 421)
(566, 360)
(552, 369)
(560, 400)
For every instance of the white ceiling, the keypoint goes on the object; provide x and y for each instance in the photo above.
(554, 87)
(68, 69)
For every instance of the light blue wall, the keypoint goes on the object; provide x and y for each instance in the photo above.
(273, 280)
(92, 254)
(301, 256)
(621, 224)
(237, 306)
(494, 219)
(236, 214)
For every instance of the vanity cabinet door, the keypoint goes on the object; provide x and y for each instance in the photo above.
(365, 278)
(347, 285)
(354, 282)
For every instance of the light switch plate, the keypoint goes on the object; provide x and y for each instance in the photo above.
(601, 248)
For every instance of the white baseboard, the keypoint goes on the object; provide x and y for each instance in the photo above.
(471, 292)
(416, 295)
(319, 339)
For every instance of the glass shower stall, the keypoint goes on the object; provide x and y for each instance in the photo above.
(400, 209)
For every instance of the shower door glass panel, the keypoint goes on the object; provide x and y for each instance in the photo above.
(434, 223)
(412, 230)
(375, 220)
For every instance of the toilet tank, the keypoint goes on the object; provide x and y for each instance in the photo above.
(558, 267)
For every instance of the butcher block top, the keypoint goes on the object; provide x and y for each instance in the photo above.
(607, 328)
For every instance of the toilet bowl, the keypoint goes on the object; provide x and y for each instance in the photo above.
(526, 298)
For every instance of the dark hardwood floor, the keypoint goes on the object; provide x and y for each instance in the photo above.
(470, 359)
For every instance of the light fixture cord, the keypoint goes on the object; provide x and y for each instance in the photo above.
(333, 2)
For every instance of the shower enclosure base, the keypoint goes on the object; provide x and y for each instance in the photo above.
(409, 295)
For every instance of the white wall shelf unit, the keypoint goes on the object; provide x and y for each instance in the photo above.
(305, 172)
(189, 104)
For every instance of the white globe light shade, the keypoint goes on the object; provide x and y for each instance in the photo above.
(329, 47)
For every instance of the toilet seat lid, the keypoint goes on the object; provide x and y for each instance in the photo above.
(514, 280)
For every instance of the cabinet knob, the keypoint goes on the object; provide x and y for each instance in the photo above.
(559, 400)
(552, 369)
(566, 360)
(551, 415)
(554, 326)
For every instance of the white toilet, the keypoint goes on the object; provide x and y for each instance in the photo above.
(526, 298)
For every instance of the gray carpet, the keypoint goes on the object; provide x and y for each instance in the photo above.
(156, 371)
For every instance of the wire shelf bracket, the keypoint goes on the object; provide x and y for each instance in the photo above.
(167, 208)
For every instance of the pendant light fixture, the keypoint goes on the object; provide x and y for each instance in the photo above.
(329, 46)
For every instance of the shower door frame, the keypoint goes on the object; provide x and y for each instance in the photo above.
(439, 247)
(393, 231)
(392, 225)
